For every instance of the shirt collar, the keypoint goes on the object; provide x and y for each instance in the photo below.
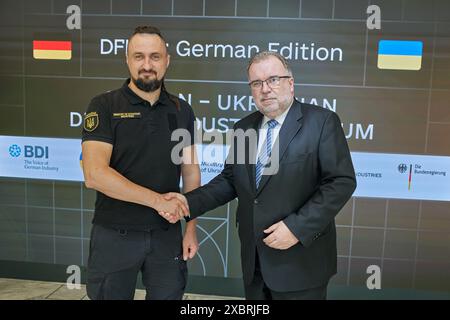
(280, 119)
(133, 98)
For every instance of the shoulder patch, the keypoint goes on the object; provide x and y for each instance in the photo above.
(91, 121)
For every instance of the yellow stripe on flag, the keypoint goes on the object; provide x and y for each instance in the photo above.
(52, 54)
(399, 62)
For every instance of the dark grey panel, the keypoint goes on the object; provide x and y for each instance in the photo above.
(49, 28)
(433, 246)
(68, 195)
(51, 101)
(12, 90)
(68, 251)
(370, 212)
(67, 223)
(441, 68)
(126, 6)
(40, 193)
(284, 8)
(367, 242)
(13, 246)
(403, 213)
(397, 274)
(442, 10)
(317, 8)
(400, 244)
(435, 216)
(41, 249)
(418, 10)
(188, 8)
(11, 120)
(97, 6)
(343, 241)
(439, 110)
(11, 50)
(400, 78)
(37, 6)
(252, 8)
(219, 8)
(13, 219)
(156, 7)
(429, 276)
(437, 139)
(60, 6)
(390, 9)
(11, 13)
(12, 191)
(40, 221)
(350, 9)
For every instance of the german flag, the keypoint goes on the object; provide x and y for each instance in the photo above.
(52, 50)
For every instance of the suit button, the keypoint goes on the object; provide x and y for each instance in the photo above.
(256, 201)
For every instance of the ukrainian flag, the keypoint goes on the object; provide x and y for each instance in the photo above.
(400, 54)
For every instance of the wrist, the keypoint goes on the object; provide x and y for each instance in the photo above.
(155, 201)
(191, 226)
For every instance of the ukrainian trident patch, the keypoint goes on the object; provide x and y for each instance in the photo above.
(91, 121)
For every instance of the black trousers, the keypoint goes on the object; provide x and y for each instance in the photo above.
(117, 256)
(258, 290)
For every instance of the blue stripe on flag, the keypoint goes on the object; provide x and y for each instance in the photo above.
(400, 47)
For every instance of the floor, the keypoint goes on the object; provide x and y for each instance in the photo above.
(15, 289)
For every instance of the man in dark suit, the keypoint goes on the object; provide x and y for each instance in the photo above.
(286, 209)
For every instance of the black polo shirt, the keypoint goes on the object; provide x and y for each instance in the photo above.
(141, 137)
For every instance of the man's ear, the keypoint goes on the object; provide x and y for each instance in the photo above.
(168, 60)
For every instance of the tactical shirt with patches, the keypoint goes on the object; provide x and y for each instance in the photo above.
(140, 134)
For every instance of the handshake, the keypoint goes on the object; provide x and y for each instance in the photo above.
(173, 207)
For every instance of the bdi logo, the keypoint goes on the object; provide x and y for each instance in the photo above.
(15, 151)
(37, 152)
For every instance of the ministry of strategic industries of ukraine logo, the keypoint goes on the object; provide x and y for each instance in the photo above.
(402, 168)
(14, 150)
(91, 121)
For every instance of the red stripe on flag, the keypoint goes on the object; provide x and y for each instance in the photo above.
(52, 45)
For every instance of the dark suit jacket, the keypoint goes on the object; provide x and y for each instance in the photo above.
(314, 181)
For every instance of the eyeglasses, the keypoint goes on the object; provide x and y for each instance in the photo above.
(272, 82)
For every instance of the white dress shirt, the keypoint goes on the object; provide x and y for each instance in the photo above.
(275, 131)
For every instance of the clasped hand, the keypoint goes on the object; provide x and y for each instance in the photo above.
(173, 207)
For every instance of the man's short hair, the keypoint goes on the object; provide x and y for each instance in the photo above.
(266, 54)
(147, 30)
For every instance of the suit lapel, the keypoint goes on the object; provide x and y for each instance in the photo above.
(289, 129)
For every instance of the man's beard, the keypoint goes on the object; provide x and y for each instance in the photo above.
(149, 85)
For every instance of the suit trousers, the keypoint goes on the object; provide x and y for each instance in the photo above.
(116, 257)
(258, 290)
